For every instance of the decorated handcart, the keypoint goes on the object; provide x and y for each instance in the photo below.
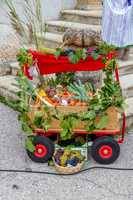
(99, 121)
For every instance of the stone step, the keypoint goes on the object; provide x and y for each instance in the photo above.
(60, 26)
(126, 67)
(82, 4)
(4, 68)
(9, 68)
(53, 40)
(89, 7)
(7, 87)
(127, 85)
(83, 16)
(131, 50)
(14, 68)
(129, 113)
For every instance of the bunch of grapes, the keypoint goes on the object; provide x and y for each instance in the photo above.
(58, 155)
(68, 158)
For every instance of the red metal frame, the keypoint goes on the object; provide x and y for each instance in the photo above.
(48, 64)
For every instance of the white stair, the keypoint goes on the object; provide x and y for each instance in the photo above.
(8, 87)
(83, 16)
(60, 26)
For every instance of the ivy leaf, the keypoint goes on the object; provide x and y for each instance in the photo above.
(74, 58)
(103, 122)
(26, 128)
(90, 128)
(23, 117)
(46, 125)
(95, 56)
(64, 133)
(38, 114)
(84, 54)
(90, 115)
(37, 121)
(58, 53)
(46, 108)
(29, 144)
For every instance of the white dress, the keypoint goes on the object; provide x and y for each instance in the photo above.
(117, 25)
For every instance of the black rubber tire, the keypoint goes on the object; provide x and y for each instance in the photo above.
(47, 143)
(98, 143)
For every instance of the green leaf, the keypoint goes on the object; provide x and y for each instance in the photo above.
(84, 54)
(58, 52)
(26, 128)
(64, 132)
(45, 125)
(38, 114)
(90, 115)
(37, 121)
(74, 58)
(29, 144)
(95, 56)
(23, 117)
(90, 128)
(103, 122)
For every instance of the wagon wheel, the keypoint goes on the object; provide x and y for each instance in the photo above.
(44, 149)
(105, 150)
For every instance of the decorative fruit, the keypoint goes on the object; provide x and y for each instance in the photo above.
(63, 160)
(73, 161)
(58, 155)
(50, 91)
(68, 51)
(64, 102)
(68, 158)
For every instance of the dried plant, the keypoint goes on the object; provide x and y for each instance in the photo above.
(30, 25)
(14, 17)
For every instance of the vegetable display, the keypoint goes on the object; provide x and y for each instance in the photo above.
(62, 90)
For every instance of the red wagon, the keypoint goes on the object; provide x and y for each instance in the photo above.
(105, 147)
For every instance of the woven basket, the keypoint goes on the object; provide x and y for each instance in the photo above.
(68, 170)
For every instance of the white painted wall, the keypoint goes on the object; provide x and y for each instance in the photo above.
(51, 8)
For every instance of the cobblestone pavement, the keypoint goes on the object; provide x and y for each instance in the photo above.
(9, 43)
(93, 185)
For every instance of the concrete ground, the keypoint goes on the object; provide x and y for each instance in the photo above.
(93, 185)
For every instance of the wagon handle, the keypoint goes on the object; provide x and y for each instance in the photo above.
(123, 114)
(121, 140)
